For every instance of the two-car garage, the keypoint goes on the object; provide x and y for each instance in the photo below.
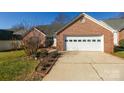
(84, 43)
(85, 33)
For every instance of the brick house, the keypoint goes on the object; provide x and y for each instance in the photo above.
(84, 33)
(40, 34)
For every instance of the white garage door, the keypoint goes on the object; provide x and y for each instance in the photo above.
(84, 43)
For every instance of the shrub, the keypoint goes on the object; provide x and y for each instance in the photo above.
(31, 45)
(54, 54)
(43, 69)
(117, 48)
(49, 42)
(46, 65)
(121, 43)
(42, 53)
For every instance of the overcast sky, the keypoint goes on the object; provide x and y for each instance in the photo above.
(9, 19)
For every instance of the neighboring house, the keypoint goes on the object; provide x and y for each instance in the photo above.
(51, 29)
(85, 33)
(42, 35)
(8, 40)
(118, 25)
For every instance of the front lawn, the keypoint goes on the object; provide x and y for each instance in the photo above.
(14, 66)
(119, 54)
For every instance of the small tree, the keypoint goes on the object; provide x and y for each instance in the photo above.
(121, 43)
(32, 45)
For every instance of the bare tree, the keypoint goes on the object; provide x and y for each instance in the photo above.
(32, 45)
(62, 18)
(22, 27)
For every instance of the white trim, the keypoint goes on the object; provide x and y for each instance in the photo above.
(103, 44)
(100, 23)
(55, 42)
(116, 38)
(39, 31)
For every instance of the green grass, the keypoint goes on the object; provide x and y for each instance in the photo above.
(119, 54)
(14, 66)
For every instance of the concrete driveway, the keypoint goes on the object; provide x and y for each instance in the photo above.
(87, 66)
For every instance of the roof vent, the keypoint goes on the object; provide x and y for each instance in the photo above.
(82, 20)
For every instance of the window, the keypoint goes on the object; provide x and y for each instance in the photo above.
(93, 40)
(88, 40)
(70, 40)
(75, 40)
(98, 40)
(84, 40)
(79, 40)
(66, 40)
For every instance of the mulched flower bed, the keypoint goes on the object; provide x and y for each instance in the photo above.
(45, 66)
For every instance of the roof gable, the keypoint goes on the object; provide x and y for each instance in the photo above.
(50, 29)
(90, 18)
(34, 29)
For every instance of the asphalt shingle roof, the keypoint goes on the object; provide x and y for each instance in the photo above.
(116, 24)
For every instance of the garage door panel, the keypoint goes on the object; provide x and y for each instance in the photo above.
(88, 43)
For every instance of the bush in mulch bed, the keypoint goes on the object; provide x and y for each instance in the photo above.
(46, 65)
(118, 48)
(54, 54)
(43, 69)
(48, 62)
(42, 53)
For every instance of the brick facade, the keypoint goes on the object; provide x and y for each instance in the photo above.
(88, 28)
(35, 33)
(121, 35)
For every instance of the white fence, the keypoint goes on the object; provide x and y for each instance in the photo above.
(9, 44)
